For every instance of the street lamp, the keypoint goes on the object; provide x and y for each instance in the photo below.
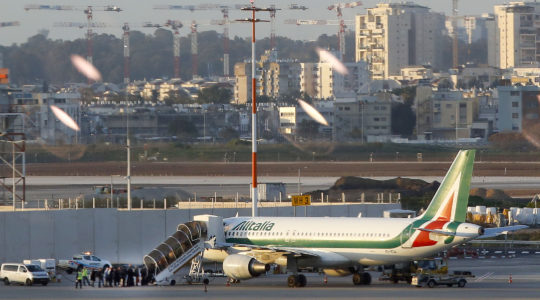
(253, 20)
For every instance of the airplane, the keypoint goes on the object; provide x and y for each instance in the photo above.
(341, 246)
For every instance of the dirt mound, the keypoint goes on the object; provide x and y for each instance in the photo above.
(395, 184)
(489, 194)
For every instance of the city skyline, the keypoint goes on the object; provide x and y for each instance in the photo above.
(31, 22)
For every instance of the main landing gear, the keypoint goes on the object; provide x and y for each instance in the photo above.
(361, 278)
(296, 280)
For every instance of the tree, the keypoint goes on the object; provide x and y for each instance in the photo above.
(178, 97)
(407, 93)
(307, 129)
(445, 84)
(264, 99)
(290, 96)
(403, 119)
(215, 94)
(357, 133)
(183, 128)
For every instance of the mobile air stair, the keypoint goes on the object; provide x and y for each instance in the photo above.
(185, 246)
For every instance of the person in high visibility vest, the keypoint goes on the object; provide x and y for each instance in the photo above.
(78, 282)
(85, 276)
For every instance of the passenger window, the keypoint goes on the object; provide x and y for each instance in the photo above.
(22, 269)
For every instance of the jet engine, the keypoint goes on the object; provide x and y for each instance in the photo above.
(241, 267)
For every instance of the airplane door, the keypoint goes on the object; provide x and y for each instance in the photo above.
(406, 241)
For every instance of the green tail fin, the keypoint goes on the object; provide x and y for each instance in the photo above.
(451, 199)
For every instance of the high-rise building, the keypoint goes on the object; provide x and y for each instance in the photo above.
(321, 81)
(517, 34)
(476, 27)
(396, 35)
(277, 76)
(242, 84)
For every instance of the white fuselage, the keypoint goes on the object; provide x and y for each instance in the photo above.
(342, 241)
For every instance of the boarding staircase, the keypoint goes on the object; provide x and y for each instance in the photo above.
(185, 246)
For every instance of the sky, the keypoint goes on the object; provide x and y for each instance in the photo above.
(136, 12)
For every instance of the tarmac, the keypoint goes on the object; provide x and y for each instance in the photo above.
(491, 282)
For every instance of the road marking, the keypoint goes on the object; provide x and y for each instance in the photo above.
(483, 277)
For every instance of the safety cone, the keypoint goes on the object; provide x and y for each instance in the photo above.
(228, 282)
(325, 279)
(510, 279)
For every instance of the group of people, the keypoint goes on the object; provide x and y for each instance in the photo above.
(111, 277)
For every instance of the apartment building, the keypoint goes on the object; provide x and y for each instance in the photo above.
(517, 34)
(321, 81)
(392, 36)
(444, 114)
(360, 118)
(518, 108)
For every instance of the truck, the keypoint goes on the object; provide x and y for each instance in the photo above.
(82, 260)
(432, 273)
(47, 264)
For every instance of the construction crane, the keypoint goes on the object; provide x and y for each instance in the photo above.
(341, 33)
(88, 11)
(295, 6)
(225, 22)
(9, 24)
(6, 24)
(175, 26)
(272, 11)
(455, 61)
(126, 29)
(127, 50)
(341, 23)
(194, 49)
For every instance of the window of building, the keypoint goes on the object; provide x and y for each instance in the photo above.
(514, 93)
(515, 104)
(515, 115)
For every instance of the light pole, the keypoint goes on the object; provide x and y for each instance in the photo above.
(128, 144)
(253, 20)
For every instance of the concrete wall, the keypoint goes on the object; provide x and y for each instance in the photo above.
(124, 236)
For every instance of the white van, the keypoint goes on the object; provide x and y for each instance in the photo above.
(21, 273)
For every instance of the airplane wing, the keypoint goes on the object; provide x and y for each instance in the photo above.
(271, 248)
(264, 253)
(491, 232)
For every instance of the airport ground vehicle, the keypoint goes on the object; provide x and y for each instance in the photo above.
(434, 272)
(47, 264)
(432, 280)
(399, 272)
(80, 261)
(24, 274)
